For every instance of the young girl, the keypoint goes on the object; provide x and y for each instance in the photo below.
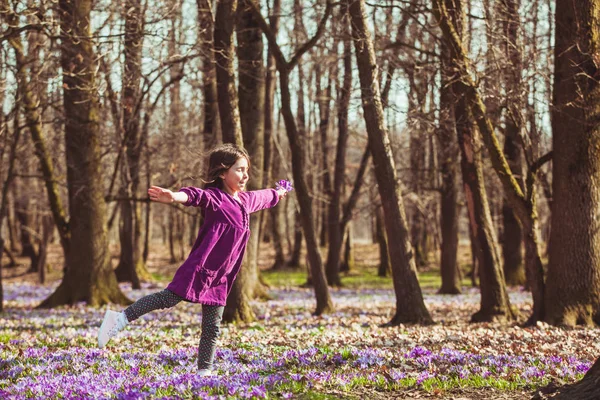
(206, 277)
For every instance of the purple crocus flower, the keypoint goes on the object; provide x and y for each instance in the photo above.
(284, 184)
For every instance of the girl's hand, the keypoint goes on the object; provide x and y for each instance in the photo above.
(282, 187)
(281, 192)
(160, 195)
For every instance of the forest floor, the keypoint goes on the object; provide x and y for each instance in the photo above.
(286, 352)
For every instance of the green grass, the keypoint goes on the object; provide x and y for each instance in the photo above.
(361, 278)
(5, 337)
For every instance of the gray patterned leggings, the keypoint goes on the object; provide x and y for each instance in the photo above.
(211, 321)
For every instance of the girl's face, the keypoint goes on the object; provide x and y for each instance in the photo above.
(236, 177)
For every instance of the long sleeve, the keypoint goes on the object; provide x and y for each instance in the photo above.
(200, 198)
(257, 200)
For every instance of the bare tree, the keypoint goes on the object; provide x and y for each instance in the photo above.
(251, 103)
(335, 233)
(512, 239)
(449, 170)
(524, 203)
(131, 266)
(409, 299)
(88, 274)
(284, 67)
(494, 299)
(272, 158)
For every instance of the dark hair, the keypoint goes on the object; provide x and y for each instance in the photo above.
(220, 159)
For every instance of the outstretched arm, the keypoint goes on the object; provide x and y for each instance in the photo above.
(162, 195)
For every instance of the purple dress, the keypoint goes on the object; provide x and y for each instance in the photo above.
(208, 273)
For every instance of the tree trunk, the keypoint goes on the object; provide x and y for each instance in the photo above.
(512, 238)
(409, 299)
(573, 286)
(5, 187)
(284, 67)
(131, 267)
(252, 113)
(449, 186)
(294, 260)
(335, 232)
(270, 152)
(324, 103)
(88, 273)
(348, 260)
(23, 214)
(384, 257)
(416, 103)
(278, 214)
(224, 58)
(277, 229)
(474, 273)
(211, 126)
(272, 158)
(324, 304)
(522, 202)
(11, 220)
(512, 244)
(46, 237)
(494, 299)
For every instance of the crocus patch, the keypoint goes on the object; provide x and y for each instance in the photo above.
(287, 352)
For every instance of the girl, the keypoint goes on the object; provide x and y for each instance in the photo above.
(206, 277)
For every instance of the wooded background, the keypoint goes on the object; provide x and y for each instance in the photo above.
(416, 124)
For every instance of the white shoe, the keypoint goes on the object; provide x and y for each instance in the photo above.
(205, 372)
(113, 323)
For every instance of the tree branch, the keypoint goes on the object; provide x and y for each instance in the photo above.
(271, 38)
(537, 164)
(14, 31)
(282, 64)
(308, 45)
(399, 44)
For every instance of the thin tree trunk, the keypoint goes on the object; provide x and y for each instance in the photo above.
(47, 230)
(334, 213)
(5, 187)
(348, 260)
(417, 164)
(224, 55)
(294, 260)
(494, 298)
(272, 159)
(131, 267)
(324, 102)
(211, 126)
(512, 238)
(323, 298)
(409, 299)
(23, 214)
(449, 185)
